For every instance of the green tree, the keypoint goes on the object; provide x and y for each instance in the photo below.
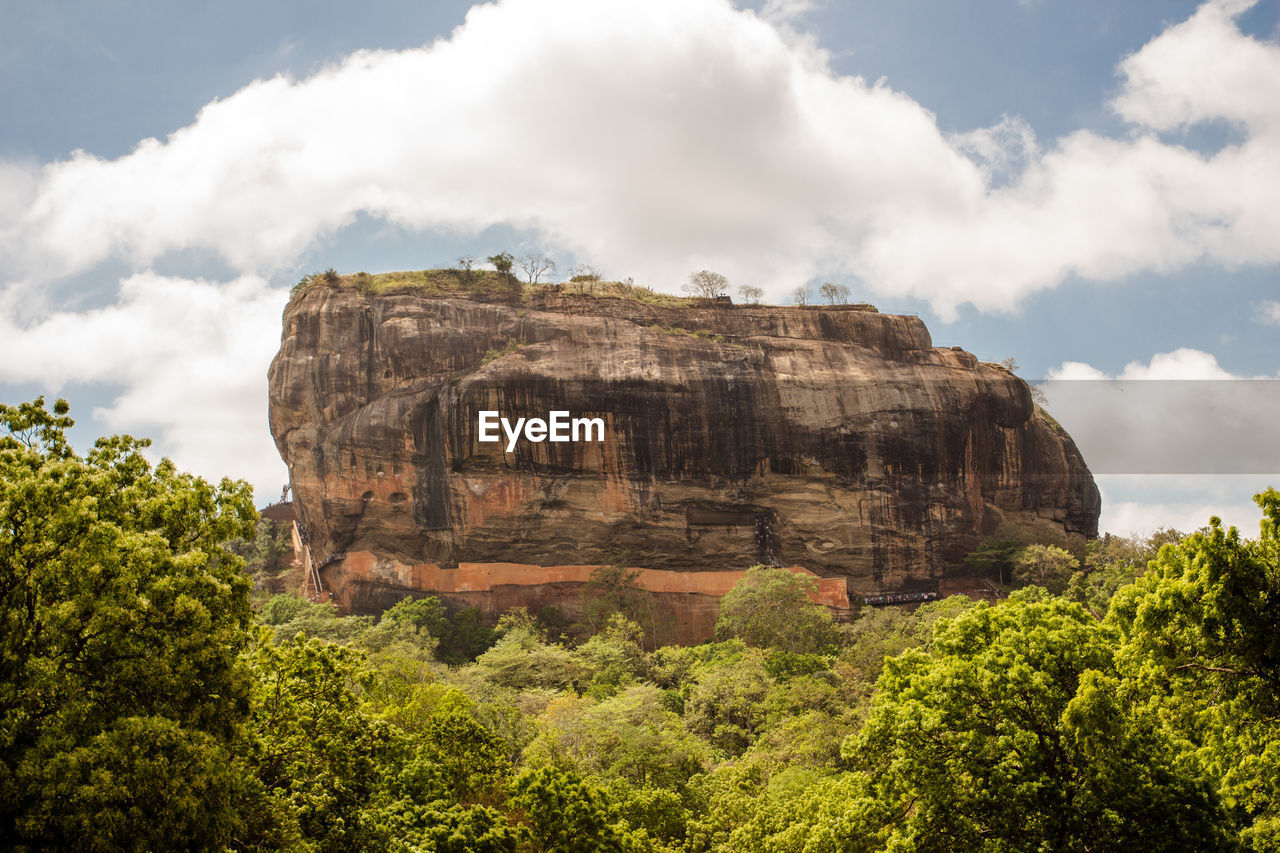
(471, 761)
(771, 608)
(523, 659)
(630, 737)
(1112, 562)
(122, 618)
(502, 262)
(613, 658)
(465, 637)
(611, 589)
(725, 701)
(1201, 647)
(318, 757)
(994, 558)
(1012, 733)
(1044, 565)
(563, 814)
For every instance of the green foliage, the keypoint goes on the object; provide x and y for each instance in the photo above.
(630, 737)
(613, 590)
(120, 617)
(314, 619)
(1201, 646)
(502, 262)
(522, 659)
(139, 708)
(1011, 733)
(995, 559)
(564, 814)
(317, 755)
(771, 608)
(1047, 566)
(470, 760)
(422, 615)
(1112, 562)
(465, 637)
(613, 658)
(725, 703)
(282, 609)
(495, 353)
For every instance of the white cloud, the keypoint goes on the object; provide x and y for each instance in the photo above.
(1075, 370)
(1179, 413)
(786, 11)
(1180, 364)
(655, 138)
(1184, 363)
(1142, 505)
(650, 139)
(1269, 312)
(1201, 70)
(192, 356)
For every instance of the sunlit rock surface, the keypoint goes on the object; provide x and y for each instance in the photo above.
(838, 439)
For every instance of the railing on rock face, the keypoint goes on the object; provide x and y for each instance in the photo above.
(898, 598)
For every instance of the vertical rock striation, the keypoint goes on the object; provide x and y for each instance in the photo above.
(838, 439)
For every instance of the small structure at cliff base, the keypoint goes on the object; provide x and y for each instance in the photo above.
(835, 438)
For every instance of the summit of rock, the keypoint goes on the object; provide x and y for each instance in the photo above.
(834, 438)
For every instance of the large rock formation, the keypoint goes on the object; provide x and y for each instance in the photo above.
(838, 439)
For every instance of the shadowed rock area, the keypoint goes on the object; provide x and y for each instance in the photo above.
(833, 438)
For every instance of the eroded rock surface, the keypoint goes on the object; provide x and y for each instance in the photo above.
(836, 439)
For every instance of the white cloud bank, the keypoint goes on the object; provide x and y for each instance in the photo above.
(654, 138)
(193, 358)
(1141, 505)
(1269, 312)
(1171, 441)
(648, 138)
(1180, 413)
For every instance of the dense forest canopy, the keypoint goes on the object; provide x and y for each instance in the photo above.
(150, 700)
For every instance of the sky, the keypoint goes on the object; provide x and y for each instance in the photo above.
(1088, 187)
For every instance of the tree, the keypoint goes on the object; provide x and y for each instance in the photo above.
(995, 557)
(536, 265)
(751, 294)
(771, 608)
(563, 814)
(725, 703)
(629, 737)
(523, 659)
(611, 589)
(706, 284)
(502, 262)
(1012, 732)
(121, 690)
(835, 294)
(466, 263)
(465, 637)
(1044, 565)
(1112, 562)
(800, 296)
(1201, 643)
(318, 758)
(585, 276)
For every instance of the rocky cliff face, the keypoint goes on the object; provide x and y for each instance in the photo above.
(837, 439)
